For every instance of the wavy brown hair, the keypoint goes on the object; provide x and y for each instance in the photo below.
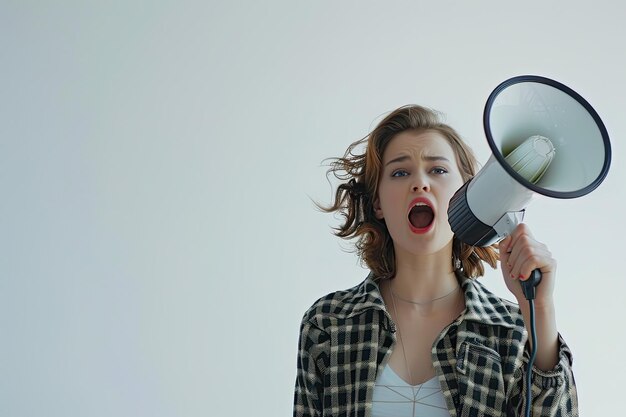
(359, 174)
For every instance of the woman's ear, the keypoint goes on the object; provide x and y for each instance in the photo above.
(378, 212)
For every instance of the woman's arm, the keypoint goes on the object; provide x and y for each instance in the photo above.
(309, 392)
(553, 392)
(553, 387)
(520, 254)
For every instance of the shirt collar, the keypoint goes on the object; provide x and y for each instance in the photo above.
(367, 295)
(483, 306)
(480, 304)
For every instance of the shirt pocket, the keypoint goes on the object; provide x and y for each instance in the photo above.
(480, 380)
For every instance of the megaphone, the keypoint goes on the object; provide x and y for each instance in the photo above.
(546, 139)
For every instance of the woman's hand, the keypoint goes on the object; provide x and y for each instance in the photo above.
(520, 254)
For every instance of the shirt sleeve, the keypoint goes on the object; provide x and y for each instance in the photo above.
(312, 355)
(553, 392)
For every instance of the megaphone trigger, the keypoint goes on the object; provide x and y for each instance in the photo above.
(509, 221)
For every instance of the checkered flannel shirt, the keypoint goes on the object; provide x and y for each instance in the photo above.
(346, 339)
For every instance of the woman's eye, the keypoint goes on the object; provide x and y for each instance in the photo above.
(439, 170)
(400, 173)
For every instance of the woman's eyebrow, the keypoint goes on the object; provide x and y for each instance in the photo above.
(400, 158)
(403, 158)
(435, 158)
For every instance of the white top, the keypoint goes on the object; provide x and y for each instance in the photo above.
(393, 397)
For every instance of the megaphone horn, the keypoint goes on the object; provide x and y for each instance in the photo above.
(546, 139)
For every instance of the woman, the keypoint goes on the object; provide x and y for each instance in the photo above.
(420, 335)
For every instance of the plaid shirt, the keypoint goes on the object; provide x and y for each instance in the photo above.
(346, 339)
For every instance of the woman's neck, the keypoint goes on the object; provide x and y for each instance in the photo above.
(425, 277)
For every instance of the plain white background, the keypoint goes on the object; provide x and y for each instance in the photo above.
(158, 160)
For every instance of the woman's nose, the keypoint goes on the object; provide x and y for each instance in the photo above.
(421, 185)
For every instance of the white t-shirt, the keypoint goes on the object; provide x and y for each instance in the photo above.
(393, 397)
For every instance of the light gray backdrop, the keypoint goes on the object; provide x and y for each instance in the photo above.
(157, 165)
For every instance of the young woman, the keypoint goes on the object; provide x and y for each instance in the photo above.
(421, 336)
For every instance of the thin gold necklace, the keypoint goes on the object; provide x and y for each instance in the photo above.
(395, 313)
(415, 389)
(421, 303)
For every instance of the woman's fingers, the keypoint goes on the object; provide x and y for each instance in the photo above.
(523, 254)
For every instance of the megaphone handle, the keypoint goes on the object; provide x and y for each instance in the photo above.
(528, 286)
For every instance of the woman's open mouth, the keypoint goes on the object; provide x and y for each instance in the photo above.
(421, 215)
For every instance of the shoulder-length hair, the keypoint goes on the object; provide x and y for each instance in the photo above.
(359, 173)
